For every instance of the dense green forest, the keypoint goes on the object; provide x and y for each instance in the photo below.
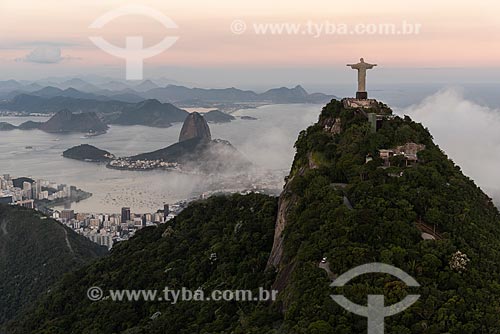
(382, 227)
(35, 252)
(238, 229)
(339, 205)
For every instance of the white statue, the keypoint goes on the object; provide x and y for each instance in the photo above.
(361, 67)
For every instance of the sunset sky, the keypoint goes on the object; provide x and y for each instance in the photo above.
(458, 40)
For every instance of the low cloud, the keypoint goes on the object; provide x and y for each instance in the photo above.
(467, 132)
(43, 55)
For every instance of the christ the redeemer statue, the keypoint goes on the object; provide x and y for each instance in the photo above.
(361, 67)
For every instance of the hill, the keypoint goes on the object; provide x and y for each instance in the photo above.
(238, 230)
(285, 95)
(66, 121)
(151, 113)
(63, 122)
(4, 126)
(365, 186)
(350, 200)
(146, 85)
(210, 156)
(35, 252)
(195, 126)
(217, 116)
(50, 92)
(197, 151)
(30, 125)
(87, 152)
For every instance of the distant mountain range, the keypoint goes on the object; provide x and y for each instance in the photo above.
(99, 113)
(29, 103)
(181, 94)
(144, 104)
(66, 121)
(123, 92)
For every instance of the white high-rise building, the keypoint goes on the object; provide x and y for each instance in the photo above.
(37, 189)
(27, 193)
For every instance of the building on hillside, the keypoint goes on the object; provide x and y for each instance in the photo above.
(67, 215)
(408, 151)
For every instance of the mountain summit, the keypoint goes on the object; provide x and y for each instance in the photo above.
(195, 126)
(66, 121)
(196, 150)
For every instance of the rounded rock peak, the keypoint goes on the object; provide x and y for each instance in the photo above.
(195, 126)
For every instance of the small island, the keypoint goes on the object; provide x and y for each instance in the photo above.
(88, 153)
(64, 121)
(217, 116)
(248, 118)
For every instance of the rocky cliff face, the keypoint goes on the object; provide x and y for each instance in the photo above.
(286, 201)
(195, 126)
(66, 121)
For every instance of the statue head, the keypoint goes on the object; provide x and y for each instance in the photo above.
(361, 60)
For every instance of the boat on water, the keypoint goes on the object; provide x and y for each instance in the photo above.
(91, 134)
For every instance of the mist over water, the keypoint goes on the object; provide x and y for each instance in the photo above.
(468, 132)
(267, 142)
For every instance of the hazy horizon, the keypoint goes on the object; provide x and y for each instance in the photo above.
(209, 51)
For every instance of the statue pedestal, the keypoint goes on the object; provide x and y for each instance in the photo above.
(350, 103)
(361, 95)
